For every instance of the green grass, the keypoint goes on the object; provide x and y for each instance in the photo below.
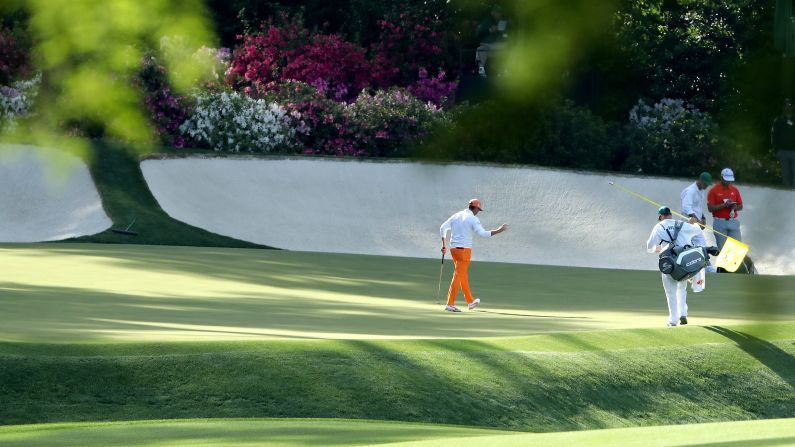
(712, 374)
(114, 333)
(151, 332)
(97, 293)
(315, 433)
(116, 172)
(231, 432)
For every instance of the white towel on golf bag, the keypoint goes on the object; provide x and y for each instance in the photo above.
(699, 281)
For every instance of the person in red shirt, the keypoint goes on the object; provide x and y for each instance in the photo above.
(724, 202)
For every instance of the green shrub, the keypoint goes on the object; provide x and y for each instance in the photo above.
(557, 133)
(572, 136)
(670, 137)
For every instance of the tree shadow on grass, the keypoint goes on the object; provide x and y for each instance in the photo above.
(36, 313)
(597, 388)
(770, 355)
(465, 382)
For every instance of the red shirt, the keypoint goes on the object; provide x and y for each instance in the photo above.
(718, 194)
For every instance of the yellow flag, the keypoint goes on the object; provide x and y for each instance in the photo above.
(731, 255)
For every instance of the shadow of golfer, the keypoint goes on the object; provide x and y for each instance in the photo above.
(776, 359)
(531, 315)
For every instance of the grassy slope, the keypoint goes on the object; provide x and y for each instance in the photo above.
(125, 196)
(707, 374)
(309, 433)
(560, 381)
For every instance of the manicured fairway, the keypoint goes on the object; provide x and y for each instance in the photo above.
(552, 382)
(114, 333)
(96, 293)
(313, 433)
(252, 432)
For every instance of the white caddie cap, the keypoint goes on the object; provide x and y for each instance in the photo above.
(727, 174)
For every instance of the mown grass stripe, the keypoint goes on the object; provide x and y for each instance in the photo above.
(310, 433)
(484, 385)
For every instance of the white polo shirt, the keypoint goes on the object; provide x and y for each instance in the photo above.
(688, 235)
(462, 224)
(694, 200)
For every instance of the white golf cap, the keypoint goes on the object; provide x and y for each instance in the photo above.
(727, 174)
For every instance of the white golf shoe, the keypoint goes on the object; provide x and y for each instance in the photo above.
(450, 308)
(474, 304)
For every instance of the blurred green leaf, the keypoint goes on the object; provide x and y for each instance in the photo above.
(88, 51)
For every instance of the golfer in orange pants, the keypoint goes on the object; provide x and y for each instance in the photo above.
(461, 225)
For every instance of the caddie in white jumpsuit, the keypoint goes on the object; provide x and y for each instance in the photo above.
(694, 201)
(689, 234)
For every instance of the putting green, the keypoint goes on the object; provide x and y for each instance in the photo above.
(99, 293)
(313, 433)
(253, 432)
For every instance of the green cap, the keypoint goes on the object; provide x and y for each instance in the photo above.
(706, 177)
(664, 210)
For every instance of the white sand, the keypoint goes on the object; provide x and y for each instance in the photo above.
(46, 195)
(395, 208)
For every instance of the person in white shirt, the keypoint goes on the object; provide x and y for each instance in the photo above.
(694, 199)
(461, 225)
(660, 237)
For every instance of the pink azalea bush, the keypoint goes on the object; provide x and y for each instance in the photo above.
(333, 66)
(323, 84)
(321, 124)
(262, 55)
(336, 68)
(384, 123)
(434, 88)
(409, 40)
(167, 111)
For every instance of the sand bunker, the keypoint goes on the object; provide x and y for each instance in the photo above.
(47, 195)
(395, 208)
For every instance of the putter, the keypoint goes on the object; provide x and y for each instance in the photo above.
(439, 288)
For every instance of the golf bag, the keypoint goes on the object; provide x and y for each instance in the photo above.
(682, 262)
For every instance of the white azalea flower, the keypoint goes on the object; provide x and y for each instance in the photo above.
(235, 122)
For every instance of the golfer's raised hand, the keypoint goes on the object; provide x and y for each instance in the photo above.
(502, 228)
